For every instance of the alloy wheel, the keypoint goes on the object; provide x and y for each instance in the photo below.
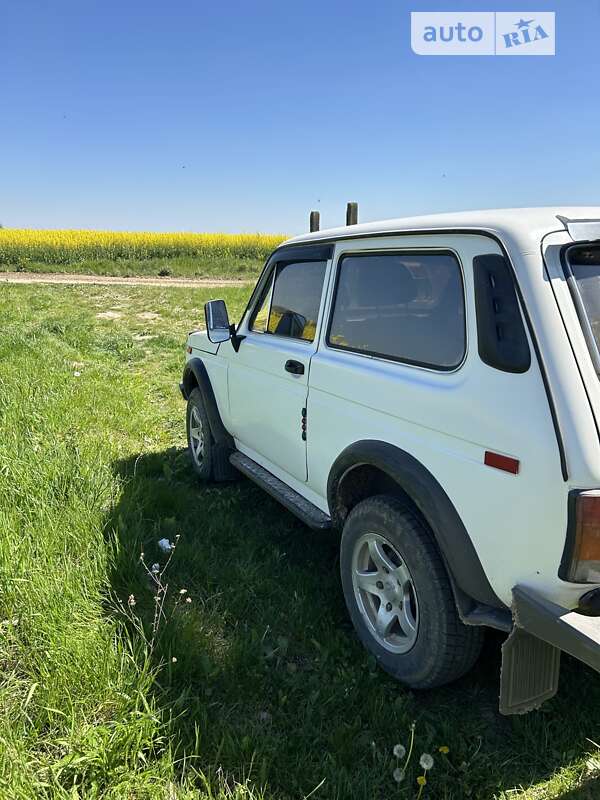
(196, 436)
(385, 593)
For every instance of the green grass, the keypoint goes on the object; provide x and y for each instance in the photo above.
(218, 266)
(271, 694)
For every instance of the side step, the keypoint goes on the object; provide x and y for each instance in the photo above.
(294, 502)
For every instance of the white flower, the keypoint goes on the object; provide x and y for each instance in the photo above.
(131, 600)
(426, 761)
(155, 569)
(398, 775)
(399, 750)
(183, 591)
(165, 545)
(77, 374)
(173, 660)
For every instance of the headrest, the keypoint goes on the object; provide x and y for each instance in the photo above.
(381, 278)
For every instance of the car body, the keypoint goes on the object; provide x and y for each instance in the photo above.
(449, 362)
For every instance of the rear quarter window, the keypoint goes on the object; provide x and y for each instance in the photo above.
(403, 306)
(582, 265)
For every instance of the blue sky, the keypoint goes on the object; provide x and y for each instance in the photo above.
(244, 116)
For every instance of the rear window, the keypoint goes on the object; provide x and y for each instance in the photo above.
(403, 306)
(583, 274)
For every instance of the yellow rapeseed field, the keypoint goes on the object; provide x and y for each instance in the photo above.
(21, 245)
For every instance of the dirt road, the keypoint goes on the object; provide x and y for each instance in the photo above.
(110, 280)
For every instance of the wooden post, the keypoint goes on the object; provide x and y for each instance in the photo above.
(315, 221)
(352, 214)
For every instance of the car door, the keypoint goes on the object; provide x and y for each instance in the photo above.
(268, 376)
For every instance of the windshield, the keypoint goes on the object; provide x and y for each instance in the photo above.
(583, 275)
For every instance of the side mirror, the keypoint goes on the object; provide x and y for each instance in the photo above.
(217, 321)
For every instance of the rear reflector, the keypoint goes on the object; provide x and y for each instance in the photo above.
(501, 462)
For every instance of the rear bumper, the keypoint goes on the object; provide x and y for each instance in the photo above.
(531, 654)
(569, 631)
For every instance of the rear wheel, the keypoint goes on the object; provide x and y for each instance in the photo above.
(399, 596)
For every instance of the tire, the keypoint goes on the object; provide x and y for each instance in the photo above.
(399, 596)
(200, 440)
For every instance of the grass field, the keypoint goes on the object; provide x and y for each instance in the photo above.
(136, 253)
(270, 696)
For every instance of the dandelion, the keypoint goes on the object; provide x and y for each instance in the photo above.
(444, 749)
(131, 601)
(399, 750)
(398, 775)
(155, 576)
(422, 781)
(426, 761)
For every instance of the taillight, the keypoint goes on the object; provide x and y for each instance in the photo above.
(581, 561)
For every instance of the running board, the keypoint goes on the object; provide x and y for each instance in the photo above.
(294, 502)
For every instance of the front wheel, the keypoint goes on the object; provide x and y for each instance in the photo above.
(199, 437)
(399, 596)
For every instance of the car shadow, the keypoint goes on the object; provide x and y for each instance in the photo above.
(261, 676)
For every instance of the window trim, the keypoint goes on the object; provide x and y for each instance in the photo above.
(384, 356)
(580, 309)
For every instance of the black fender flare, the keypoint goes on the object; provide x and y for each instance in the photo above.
(433, 503)
(195, 374)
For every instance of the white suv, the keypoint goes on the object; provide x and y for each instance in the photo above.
(429, 387)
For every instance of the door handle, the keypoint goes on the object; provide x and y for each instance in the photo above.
(295, 367)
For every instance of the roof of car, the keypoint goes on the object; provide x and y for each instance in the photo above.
(522, 225)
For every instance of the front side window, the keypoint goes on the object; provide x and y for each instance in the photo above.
(289, 303)
(583, 273)
(403, 306)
